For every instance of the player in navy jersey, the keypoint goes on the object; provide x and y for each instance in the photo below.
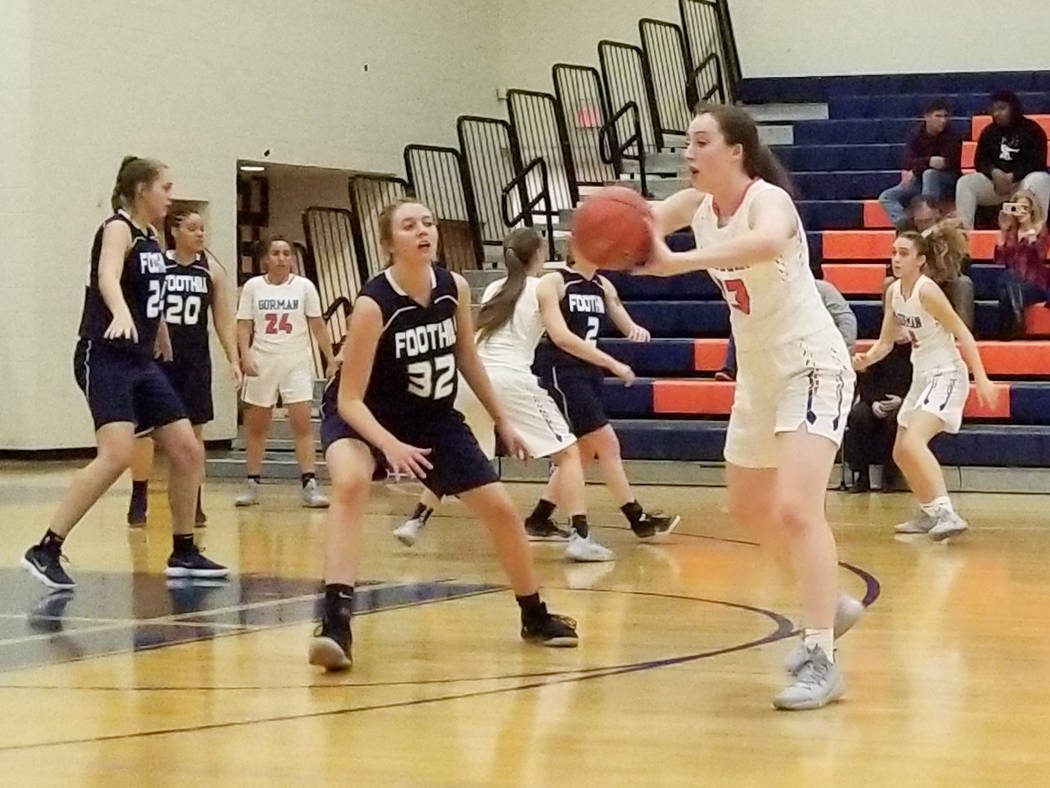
(576, 302)
(391, 405)
(193, 290)
(114, 366)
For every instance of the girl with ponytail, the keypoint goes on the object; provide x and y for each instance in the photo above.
(940, 380)
(794, 382)
(509, 327)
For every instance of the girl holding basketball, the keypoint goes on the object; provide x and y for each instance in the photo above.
(795, 381)
(194, 288)
(940, 380)
(410, 333)
(509, 328)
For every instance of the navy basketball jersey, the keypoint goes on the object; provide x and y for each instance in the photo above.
(414, 372)
(187, 301)
(141, 282)
(583, 307)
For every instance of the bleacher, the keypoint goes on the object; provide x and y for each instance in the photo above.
(678, 411)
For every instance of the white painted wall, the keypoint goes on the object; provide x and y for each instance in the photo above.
(535, 35)
(198, 84)
(824, 37)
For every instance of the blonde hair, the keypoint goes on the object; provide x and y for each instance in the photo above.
(1033, 206)
(944, 245)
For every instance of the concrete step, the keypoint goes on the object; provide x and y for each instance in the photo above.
(776, 134)
(781, 113)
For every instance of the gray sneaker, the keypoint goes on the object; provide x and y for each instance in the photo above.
(408, 532)
(586, 550)
(847, 613)
(313, 498)
(817, 683)
(920, 524)
(947, 524)
(249, 496)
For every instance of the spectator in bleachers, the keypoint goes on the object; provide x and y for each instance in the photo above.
(931, 164)
(872, 425)
(1011, 154)
(1021, 247)
(923, 213)
(838, 308)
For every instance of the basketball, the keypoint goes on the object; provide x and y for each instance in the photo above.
(611, 229)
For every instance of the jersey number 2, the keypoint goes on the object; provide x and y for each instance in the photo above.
(736, 294)
(432, 379)
(155, 301)
(275, 323)
(592, 330)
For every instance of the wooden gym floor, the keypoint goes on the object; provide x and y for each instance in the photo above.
(135, 682)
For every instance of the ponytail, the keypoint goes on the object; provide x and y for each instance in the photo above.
(944, 245)
(519, 247)
(133, 174)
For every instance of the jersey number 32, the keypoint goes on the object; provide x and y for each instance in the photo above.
(434, 378)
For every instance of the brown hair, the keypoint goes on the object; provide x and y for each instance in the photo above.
(386, 222)
(173, 221)
(738, 128)
(264, 246)
(133, 174)
(944, 246)
(519, 247)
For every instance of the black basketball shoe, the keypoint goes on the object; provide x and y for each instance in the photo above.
(549, 629)
(44, 564)
(192, 563)
(652, 525)
(330, 645)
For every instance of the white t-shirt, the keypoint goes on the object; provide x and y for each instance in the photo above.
(513, 345)
(279, 313)
(770, 303)
(932, 345)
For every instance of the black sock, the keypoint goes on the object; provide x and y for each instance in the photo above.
(139, 489)
(422, 513)
(182, 544)
(632, 511)
(338, 601)
(543, 511)
(52, 541)
(579, 524)
(531, 607)
(254, 477)
(307, 478)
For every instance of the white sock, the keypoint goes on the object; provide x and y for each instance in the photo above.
(944, 502)
(825, 638)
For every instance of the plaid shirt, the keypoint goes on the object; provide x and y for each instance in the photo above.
(1025, 256)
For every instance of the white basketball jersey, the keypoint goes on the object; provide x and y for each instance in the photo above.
(770, 303)
(932, 346)
(279, 313)
(513, 344)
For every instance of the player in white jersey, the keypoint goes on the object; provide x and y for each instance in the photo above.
(509, 328)
(940, 382)
(795, 383)
(278, 311)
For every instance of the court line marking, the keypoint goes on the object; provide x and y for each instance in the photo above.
(783, 629)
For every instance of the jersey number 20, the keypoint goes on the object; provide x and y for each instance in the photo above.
(183, 310)
(432, 379)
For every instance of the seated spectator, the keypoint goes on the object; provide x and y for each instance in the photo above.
(1021, 247)
(923, 212)
(931, 164)
(872, 426)
(1011, 154)
(838, 308)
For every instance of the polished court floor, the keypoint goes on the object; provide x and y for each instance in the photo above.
(135, 681)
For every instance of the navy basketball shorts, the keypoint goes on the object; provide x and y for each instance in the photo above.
(124, 386)
(578, 394)
(459, 463)
(190, 376)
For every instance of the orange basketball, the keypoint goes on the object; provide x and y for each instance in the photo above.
(611, 229)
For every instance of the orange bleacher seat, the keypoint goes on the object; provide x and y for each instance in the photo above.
(969, 151)
(715, 398)
(1003, 359)
(856, 278)
(980, 122)
(875, 217)
(1037, 321)
(709, 355)
(878, 244)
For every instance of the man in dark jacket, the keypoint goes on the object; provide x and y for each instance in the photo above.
(1011, 155)
(931, 163)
